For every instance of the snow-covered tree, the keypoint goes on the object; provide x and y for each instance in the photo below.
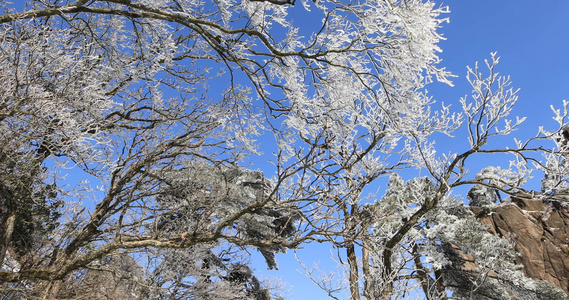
(409, 238)
(193, 202)
(139, 115)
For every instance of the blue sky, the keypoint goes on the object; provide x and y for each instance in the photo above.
(532, 39)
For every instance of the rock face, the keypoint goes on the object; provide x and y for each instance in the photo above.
(540, 234)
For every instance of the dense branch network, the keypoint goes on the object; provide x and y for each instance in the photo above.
(128, 129)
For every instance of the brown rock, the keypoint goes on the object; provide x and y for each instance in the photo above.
(539, 232)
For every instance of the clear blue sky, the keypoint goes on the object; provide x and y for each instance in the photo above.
(532, 39)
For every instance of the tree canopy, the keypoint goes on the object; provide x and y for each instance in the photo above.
(129, 131)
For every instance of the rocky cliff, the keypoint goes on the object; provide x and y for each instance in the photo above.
(539, 231)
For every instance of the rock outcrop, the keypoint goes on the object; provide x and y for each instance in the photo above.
(539, 232)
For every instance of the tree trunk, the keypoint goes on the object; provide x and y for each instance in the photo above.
(421, 272)
(6, 230)
(369, 291)
(440, 285)
(353, 262)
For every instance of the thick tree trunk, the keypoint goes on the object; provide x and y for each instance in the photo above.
(369, 290)
(353, 262)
